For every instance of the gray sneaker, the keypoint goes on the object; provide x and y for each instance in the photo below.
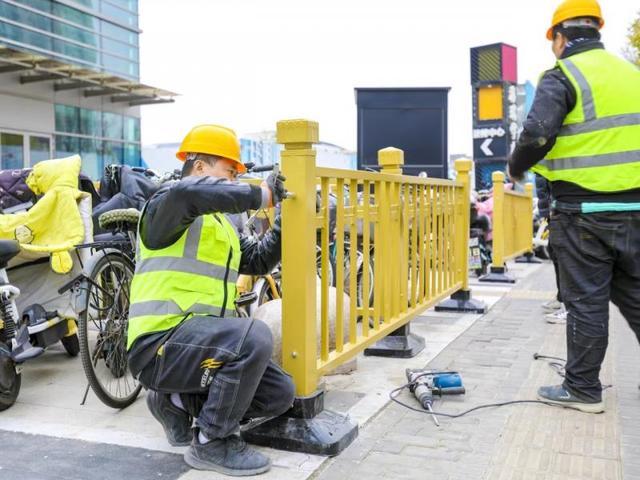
(558, 395)
(551, 306)
(176, 422)
(230, 456)
(557, 317)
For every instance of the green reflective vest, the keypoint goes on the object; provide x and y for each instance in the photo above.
(195, 275)
(598, 147)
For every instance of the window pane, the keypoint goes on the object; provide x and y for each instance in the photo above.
(132, 129)
(25, 16)
(112, 125)
(11, 151)
(132, 155)
(120, 15)
(91, 152)
(112, 153)
(39, 149)
(25, 36)
(131, 5)
(75, 16)
(119, 33)
(74, 33)
(75, 51)
(119, 48)
(120, 66)
(67, 119)
(43, 5)
(67, 146)
(90, 123)
(94, 4)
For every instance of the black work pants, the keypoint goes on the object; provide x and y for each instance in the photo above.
(222, 369)
(599, 260)
(556, 270)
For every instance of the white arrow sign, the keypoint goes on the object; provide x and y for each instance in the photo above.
(485, 147)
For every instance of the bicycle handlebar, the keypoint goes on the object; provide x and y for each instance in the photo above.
(263, 168)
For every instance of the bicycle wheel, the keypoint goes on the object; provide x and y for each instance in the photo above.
(265, 290)
(330, 273)
(102, 330)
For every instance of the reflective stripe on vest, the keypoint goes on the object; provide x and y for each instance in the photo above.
(191, 276)
(598, 146)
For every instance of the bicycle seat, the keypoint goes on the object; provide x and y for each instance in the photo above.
(122, 215)
(8, 250)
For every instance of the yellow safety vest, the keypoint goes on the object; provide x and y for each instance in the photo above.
(195, 275)
(598, 147)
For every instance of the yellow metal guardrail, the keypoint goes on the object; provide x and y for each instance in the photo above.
(512, 222)
(415, 230)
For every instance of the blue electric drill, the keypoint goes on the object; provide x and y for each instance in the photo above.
(426, 383)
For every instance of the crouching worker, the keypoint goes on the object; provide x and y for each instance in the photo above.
(186, 345)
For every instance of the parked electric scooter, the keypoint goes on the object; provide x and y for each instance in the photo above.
(25, 335)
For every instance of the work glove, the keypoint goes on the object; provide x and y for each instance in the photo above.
(275, 183)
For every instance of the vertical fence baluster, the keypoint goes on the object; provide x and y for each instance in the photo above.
(366, 245)
(325, 266)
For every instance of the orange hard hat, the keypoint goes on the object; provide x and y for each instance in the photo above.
(575, 9)
(212, 140)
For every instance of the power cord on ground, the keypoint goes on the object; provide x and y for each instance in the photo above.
(396, 391)
(557, 366)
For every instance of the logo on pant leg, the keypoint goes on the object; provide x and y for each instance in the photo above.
(208, 364)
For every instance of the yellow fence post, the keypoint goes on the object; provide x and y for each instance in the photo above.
(299, 336)
(498, 270)
(527, 219)
(393, 245)
(317, 431)
(498, 219)
(528, 189)
(461, 300)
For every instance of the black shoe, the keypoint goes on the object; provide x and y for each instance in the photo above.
(558, 395)
(176, 422)
(230, 456)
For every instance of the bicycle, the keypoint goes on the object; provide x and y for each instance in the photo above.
(102, 301)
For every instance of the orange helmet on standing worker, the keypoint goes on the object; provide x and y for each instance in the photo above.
(212, 140)
(570, 9)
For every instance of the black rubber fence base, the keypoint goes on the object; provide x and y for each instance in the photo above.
(528, 258)
(497, 275)
(400, 343)
(461, 301)
(306, 428)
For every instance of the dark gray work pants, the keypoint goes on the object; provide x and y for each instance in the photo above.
(222, 369)
(599, 260)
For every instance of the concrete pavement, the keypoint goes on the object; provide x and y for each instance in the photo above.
(493, 354)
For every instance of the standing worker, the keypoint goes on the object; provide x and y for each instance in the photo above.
(185, 343)
(583, 135)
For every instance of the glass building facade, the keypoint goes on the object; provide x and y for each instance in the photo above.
(102, 35)
(101, 138)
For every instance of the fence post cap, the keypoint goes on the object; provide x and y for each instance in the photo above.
(497, 177)
(390, 157)
(463, 165)
(297, 131)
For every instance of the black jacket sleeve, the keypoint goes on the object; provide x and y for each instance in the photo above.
(555, 98)
(173, 208)
(543, 192)
(259, 257)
